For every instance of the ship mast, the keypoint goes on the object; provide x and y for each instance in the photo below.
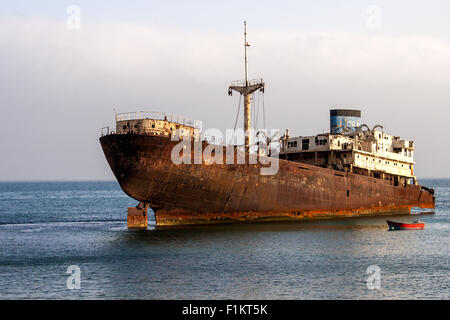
(246, 44)
(246, 88)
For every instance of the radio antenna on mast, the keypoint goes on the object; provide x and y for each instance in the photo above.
(245, 49)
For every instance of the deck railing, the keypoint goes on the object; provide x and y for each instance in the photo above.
(107, 131)
(241, 83)
(154, 115)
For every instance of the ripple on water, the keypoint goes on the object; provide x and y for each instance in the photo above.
(46, 227)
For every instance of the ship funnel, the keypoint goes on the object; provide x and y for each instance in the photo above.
(344, 118)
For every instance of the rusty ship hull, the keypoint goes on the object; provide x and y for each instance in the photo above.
(184, 194)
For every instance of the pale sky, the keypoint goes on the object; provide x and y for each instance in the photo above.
(59, 87)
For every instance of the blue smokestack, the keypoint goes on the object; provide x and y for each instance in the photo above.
(340, 118)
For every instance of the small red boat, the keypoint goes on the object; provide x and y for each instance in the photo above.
(416, 225)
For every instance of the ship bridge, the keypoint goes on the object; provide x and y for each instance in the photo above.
(354, 147)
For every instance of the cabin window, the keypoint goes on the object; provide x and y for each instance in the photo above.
(295, 143)
(305, 144)
(339, 143)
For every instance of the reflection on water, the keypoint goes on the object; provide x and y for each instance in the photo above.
(325, 259)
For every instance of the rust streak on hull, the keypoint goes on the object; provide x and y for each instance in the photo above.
(172, 218)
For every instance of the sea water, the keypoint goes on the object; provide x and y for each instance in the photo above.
(69, 240)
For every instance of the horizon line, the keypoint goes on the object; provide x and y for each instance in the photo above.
(113, 180)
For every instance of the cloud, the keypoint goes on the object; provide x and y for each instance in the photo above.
(59, 87)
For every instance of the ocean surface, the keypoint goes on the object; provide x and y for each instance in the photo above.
(47, 227)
